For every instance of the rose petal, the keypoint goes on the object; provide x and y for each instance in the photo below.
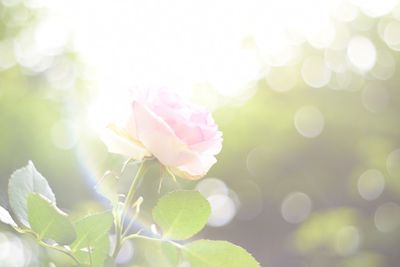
(119, 142)
(131, 126)
(211, 146)
(178, 119)
(159, 138)
(188, 133)
(195, 169)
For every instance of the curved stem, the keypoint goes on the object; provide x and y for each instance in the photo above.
(117, 216)
(60, 249)
(126, 163)
(118, 243)
(139, 236)
(45, 245)
(127, 204)
(137, 206)
(132, 190)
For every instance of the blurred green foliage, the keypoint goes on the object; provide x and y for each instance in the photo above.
(263, 160)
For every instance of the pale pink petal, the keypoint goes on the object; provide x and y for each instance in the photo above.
(159, 138)
(131, 126)
(188, 134)
(196, 169)
(210, 146)
(189, 127)
(119, 142)
(182, 136)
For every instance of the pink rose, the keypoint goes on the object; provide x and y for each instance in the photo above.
(182, 136)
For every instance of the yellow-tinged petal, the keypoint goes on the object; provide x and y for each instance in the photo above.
(119, 141)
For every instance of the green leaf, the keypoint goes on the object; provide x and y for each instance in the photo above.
(159, 253)
(92, 245)
(48, 221)
(109, 262)
(210, 253)
(6, 218)
(181, 214)
(23, 182)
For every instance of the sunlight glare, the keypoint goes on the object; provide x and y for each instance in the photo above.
(181, 45)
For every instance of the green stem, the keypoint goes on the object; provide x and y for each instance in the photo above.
(138, 236)
(136, 205)
(45, 245)
(118, 242)
(126, 163)
(127, 204)
(143, 237)
(117, 217)
(132, 190)
(60, 249)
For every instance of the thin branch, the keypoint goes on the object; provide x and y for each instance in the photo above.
(60, 249)
(139, 236)
(137, 206)
(127, 204)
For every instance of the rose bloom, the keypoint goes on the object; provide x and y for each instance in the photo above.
(181, 135)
